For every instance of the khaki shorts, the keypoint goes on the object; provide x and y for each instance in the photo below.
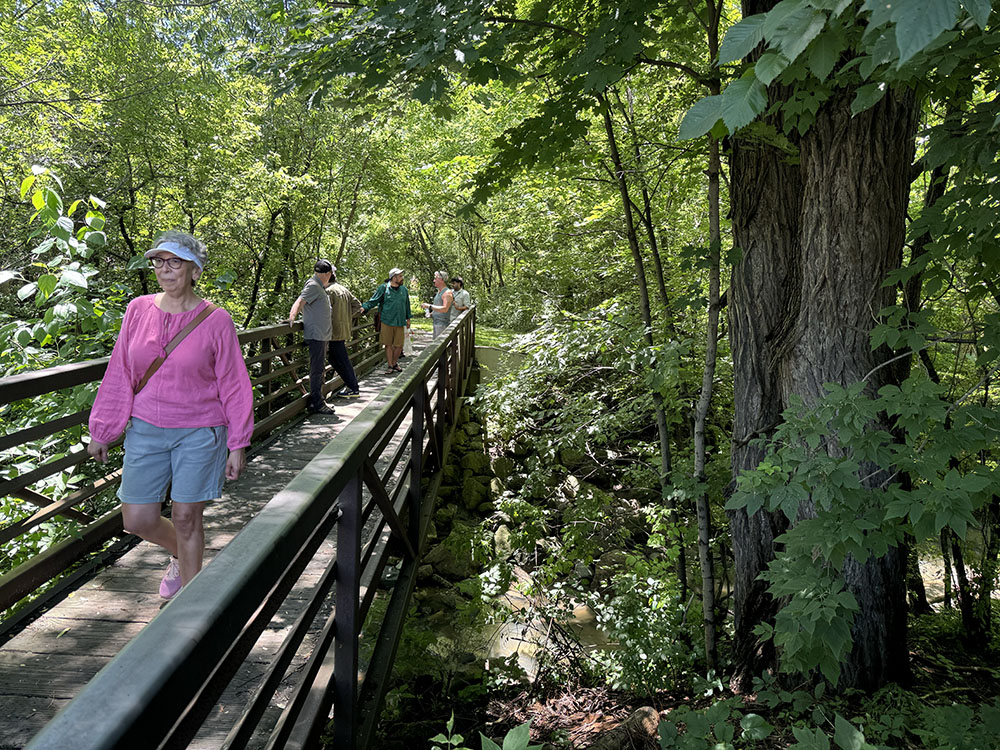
(391, 335)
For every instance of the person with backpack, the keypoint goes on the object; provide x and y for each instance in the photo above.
(178, 389)
(345, 307)
(317, 327)
(393, 302)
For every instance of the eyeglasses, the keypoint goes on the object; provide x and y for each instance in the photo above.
(174, 263)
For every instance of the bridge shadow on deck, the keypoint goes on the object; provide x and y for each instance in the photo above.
(45, 665)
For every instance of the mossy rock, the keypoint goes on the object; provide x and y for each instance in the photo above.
(452, 558)
(502, 544)
(503, 467)
(521, 449)
(474, 493)
(572, 458)
(478, 463)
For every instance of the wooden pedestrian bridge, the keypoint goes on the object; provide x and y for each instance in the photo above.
(286, 626)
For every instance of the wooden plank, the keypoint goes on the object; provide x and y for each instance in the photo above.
(62, 507)
(10, 486)
(90, 603)
(63, 635)
(22, 715)
(43, 430)
(31, 384)
(45, 675)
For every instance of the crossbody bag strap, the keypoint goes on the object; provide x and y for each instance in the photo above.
(174, 342)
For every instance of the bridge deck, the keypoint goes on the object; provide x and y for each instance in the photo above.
(46, 664)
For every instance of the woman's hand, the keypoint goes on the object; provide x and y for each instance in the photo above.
(236, 464)
(98, 450)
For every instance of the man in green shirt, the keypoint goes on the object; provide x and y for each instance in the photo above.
(393, 300)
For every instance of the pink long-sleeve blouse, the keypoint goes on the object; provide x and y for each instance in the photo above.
(203, 383)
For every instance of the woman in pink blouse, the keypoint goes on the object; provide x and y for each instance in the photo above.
(188, 426)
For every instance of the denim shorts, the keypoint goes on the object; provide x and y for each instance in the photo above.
(191, 461)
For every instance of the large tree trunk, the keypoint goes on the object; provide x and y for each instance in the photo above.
(817, 240)
(765, 202)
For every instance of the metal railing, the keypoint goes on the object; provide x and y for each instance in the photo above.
(161, 687)
(278, 363)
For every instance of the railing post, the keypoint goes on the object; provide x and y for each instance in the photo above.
(345, 660)
(442, 400)
(416, 468)
(454, 378)
(265, 370)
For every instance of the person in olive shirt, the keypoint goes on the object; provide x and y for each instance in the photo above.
(393, 300)
(461, 300)
(345, 307)
(317, 328)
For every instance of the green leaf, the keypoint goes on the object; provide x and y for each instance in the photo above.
(868, 96)
(63, 228)
(742, 101)
(791, 26)
(26, 184)
(770, 66)
(755, 727)
(848, 737)
(6, 276)
(27, 290)
(95, 239)
(518, 737)
(137, 262)
(809, 739)
(94, 220)
(488, 744)
(835, 6)
(824, 53)
(701, 118)
(53, 201)
(978, 9)
(73, 278)
(920, 22)
(47, 284)
(742, 38)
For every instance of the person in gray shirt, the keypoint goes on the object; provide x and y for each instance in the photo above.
(317, 328)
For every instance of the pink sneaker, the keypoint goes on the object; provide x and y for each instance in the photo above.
(171, 581)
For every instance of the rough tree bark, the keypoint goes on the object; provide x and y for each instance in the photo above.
(817, 241)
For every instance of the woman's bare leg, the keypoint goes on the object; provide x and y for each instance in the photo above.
(190, 532)
(144, 520)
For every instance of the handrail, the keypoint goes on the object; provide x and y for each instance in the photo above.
(159, 688)
(275, 403)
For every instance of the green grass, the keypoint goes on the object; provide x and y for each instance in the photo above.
(493, 336)
(484, 336)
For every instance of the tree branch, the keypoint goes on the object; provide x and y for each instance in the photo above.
(540, 24)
